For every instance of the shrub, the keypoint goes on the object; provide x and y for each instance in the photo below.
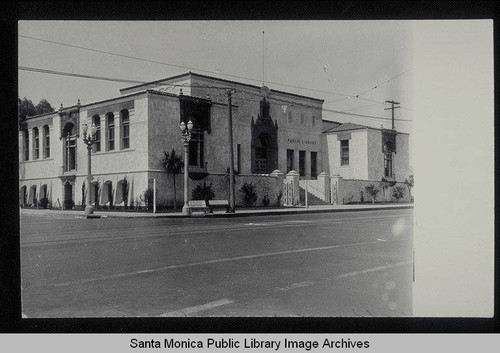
(148, 198)
(398, 192)
(43, 202)
(249, 194)
(69, 204)
(203, 192)
(372, 191)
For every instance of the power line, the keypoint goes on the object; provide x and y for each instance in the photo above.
(383, 83)
(177, 66)
(46, 71)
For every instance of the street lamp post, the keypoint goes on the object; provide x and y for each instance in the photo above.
(186, 137)
(89, 140)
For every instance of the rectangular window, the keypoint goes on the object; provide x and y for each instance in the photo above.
(125, 129)
(289, 160)
(26, 145)
(238, 158)
(46, 137)
(97, 144)
(36, 145)
(302, 163)
(302, 118)
(196, 157)
(314, 164)
(344, 152)
(111, 133)
(388, 165)
(70, 153)
(313, 121)
(290, 117)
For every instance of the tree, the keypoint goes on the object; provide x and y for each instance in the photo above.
(44, 107)
(173, 164)
(27, 108)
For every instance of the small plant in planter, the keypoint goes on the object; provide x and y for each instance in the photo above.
(372, 191)
(249, 194)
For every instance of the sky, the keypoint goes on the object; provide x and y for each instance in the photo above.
(330, 60)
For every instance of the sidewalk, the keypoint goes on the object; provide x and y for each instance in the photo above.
(239, 212)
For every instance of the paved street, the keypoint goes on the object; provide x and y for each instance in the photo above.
(325, 264)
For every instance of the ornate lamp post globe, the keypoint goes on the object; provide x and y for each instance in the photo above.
(186, 137)
(89, 140)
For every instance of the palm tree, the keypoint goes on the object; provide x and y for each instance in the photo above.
(173, 164)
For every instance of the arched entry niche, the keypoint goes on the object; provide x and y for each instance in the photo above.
(264, 141)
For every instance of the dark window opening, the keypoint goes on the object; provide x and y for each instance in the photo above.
(26, 145)
(196, 150)
(96, 147)
(344, 152)
(111, 131)
(302, 163)
(36, 146)
(46, 137)
(314, 162)
(289, 160)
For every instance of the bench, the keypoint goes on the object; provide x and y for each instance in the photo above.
(198, 205)
(218, 204)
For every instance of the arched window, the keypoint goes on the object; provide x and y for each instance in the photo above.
(46, 141)
(107, 193)
(32, 195)
(110, 127)
(23, 195)
(36, 143)
(43, 192)
(69, 135)
(96, 120)
(125, 129)
(122, 192)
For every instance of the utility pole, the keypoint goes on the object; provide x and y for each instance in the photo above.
(231, 154)
(392, 108)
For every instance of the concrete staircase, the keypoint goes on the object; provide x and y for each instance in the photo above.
(311, 199)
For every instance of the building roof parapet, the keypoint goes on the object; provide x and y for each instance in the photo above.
(220, 80)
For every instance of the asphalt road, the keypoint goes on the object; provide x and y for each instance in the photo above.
(328, 264)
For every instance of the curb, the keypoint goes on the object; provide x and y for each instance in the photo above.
(266, 213)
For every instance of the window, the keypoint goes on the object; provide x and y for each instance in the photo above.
(96, 119)
(36, 143)
(69, 135)
(238, 158)
(313, 121)
(125, 129)
(344, 152)
(314, 166)
(26, 145)
(196, 155)
(110, 119)
(46, 141)
(302, 118)
(289, 160)
(388, 165)
(290, 117)
(302, 163)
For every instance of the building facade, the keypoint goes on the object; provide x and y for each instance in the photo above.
(272, 130)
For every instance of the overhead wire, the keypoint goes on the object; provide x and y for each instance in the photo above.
(46, 71)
